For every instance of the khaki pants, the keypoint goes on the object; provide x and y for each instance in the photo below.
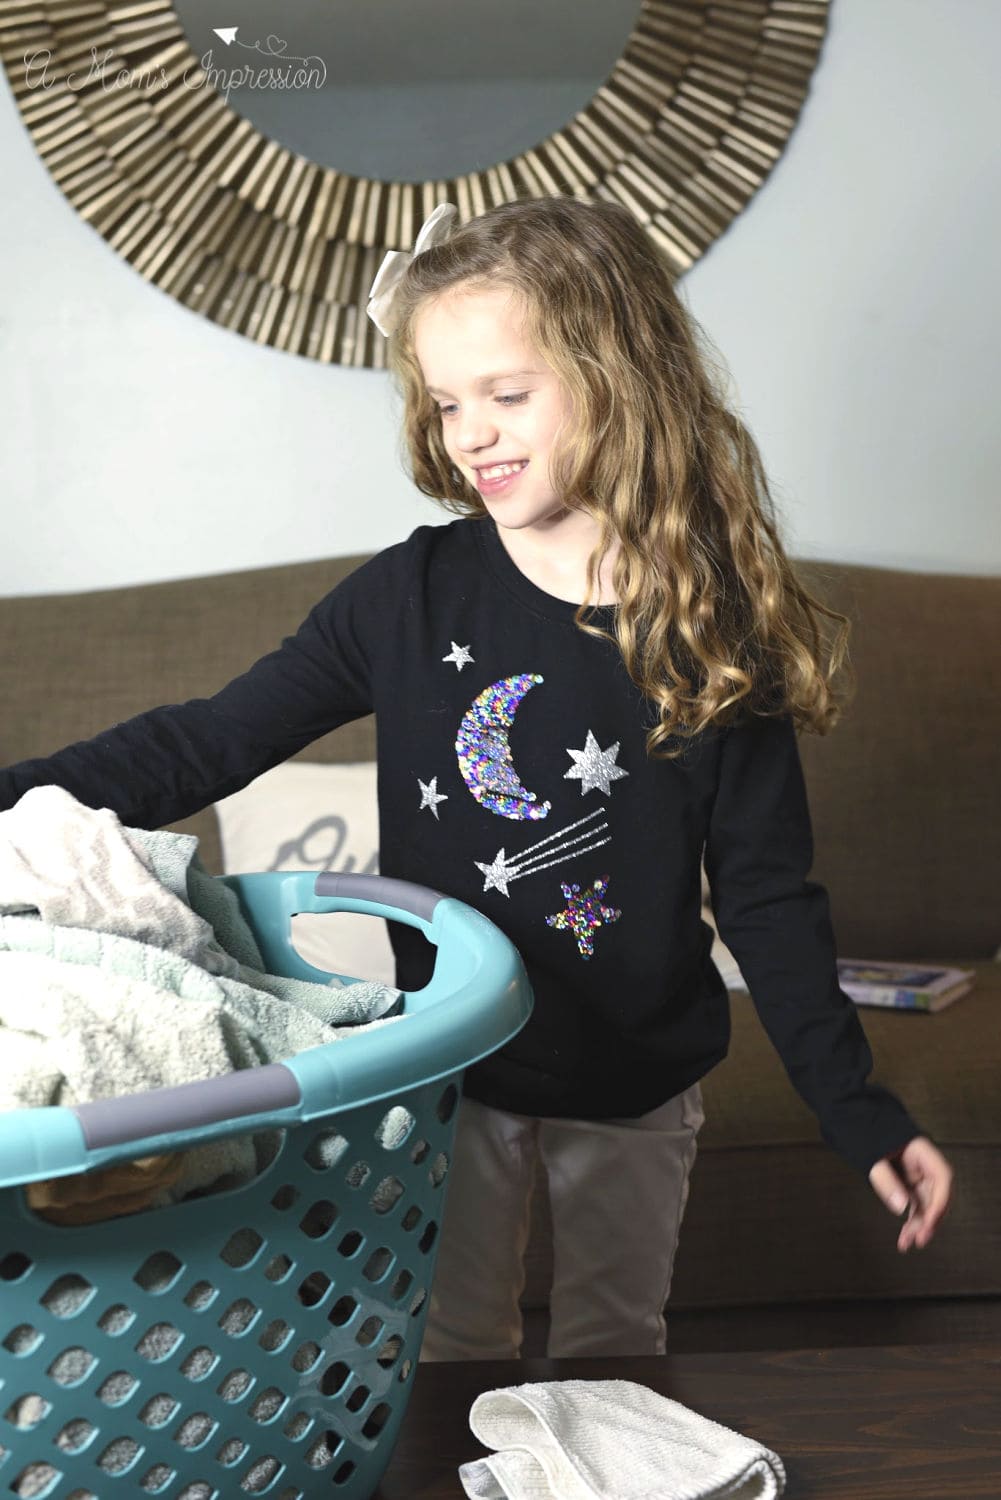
(618, 1190)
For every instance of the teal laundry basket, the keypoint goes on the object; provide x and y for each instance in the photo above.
(260, 1341)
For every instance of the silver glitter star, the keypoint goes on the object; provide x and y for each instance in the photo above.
(460, 655)
(595, 769)
(430, 795)
(497, 874)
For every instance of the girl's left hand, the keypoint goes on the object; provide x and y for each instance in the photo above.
(918, 1177)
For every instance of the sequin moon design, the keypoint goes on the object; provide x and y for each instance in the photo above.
(484, 753)
(584, 913)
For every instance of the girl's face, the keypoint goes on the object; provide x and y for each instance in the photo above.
(500, 403)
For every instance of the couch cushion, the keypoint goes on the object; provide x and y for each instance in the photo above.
(904, 787)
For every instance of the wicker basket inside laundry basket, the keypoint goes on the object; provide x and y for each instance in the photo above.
(261, 1340)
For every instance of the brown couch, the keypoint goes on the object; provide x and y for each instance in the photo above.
(782, 1244)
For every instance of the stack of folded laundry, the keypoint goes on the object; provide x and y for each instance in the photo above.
(124, 967)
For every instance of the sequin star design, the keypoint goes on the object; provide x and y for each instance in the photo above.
(583, 913)
(595, 768)
(460, 655)
(430, 795)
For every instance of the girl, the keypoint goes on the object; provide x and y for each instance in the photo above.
(584, 685)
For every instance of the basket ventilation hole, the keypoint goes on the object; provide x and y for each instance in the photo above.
(158, 1273)
(420, 1152)
(369, 1331)
(116, 1319)
(236, 1385)
(376, 1420)
(318, 1218)
(401, 1285)
(357, 1174)
(197, 1491)
(394, 1127)
(291, 1493)
(263, 1473)
(37, 1480)
(306, 1356)
(200, 1296)
(387, 1195)
(418, 1303)
(158, 1410)
(325, 1150)
(447, 1103)
(195, 1430)
(390, 1351)
(239, 1316)
(378, 1264)
(23, 1339)
(27, 1411)
(427, 1239)
(75, 1435)
(344, 1473)
(156, 1479)
(324, 1450)
(285, 1197)
(357, 1398)
(231, 1452)
(278, 1268)
(298, 1426)
(351, 1243)
(199, 1363)
(334, 1378)
(342, 1311)
(241, 1247)
(72, 1366)
(159, 1342)
(67, 1296)
(438, 1170)
(119, 1455)
(275, 1336)
(313, 1289)
(411, 1218)
(117, 1387)
(405, 1369)
(14, 1266)
(268, 1404)
(81, 1495)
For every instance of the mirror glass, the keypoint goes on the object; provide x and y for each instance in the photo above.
(408, 90)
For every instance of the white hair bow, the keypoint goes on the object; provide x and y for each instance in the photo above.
(435, 229)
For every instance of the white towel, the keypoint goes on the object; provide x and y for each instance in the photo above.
(610, 1440)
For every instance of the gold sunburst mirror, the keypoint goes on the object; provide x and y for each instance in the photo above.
(258, 171)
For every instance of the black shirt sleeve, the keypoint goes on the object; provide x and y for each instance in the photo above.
(777, 924)
(174, 760)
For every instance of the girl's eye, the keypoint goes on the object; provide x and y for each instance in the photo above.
(508, 400)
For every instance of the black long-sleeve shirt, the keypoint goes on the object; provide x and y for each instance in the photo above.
(513, 774)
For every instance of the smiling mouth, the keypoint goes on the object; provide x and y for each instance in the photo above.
(501, 471)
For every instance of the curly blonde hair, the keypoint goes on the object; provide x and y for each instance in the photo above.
(712, 622)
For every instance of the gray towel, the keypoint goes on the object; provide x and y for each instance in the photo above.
(124, 966)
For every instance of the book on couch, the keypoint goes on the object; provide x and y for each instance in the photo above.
(905, 986)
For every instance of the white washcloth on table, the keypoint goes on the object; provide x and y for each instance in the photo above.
(610, 1440)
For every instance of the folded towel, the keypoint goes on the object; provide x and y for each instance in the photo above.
(610, 1440)
(124, 966)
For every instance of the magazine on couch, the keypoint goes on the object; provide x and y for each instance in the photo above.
(900, 985)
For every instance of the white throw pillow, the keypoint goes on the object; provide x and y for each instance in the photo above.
(720, 954)
(303, 816)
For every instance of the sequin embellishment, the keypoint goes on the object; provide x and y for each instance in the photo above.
(583, 913)
(484, 753)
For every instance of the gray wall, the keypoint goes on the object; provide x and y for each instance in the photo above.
(853, 303)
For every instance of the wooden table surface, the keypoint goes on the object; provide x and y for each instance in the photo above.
(911, 1422)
